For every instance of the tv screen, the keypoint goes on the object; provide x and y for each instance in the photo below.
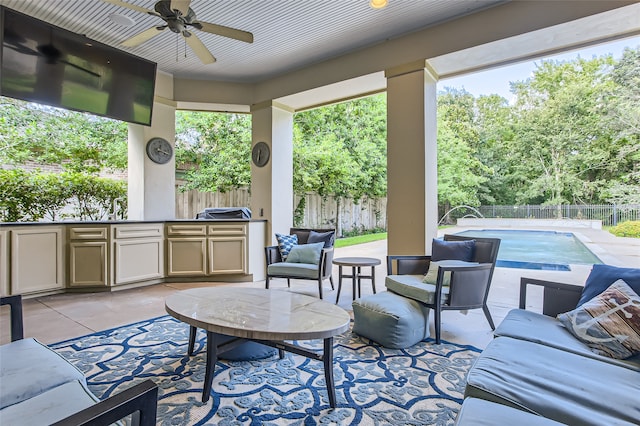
(46, 64)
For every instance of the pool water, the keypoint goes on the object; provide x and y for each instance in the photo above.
(548, 250)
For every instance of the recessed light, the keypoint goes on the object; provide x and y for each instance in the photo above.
(123, 20)
(378, 4)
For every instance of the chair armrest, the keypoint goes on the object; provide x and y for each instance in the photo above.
(272, 254)
(557, 297)
(326, 262)
(140, 400)
(408, 264)
(17, 324)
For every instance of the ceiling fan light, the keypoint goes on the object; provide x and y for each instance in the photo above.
(378, 4)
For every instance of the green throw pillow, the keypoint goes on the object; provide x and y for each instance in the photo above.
(609, 323)
(432, 275)
(305, 253)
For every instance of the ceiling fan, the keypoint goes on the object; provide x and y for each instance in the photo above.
(179, 17)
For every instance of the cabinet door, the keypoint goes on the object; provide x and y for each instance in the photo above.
(37, 259)
(138, 259)
(227, 255)
(186, 256)
(88, 264)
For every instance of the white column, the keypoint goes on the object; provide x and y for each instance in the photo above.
(272, 185)
(151, 193)
(412, 189)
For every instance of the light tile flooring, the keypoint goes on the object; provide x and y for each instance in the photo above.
(63, 316)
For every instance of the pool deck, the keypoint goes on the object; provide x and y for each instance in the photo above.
(63, 316)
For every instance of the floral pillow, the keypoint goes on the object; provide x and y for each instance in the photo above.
(609, 323)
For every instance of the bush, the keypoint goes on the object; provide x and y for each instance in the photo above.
(630, 228)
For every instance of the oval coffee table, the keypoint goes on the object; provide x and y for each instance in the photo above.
(356, 264)
(265, 316)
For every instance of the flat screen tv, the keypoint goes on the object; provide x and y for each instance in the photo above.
(46, 64)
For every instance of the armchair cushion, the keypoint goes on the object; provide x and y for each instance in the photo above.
(305, 253)
(452, 250)
(322, 237)
(286, 243)
(609, 323)
(293, 270)
(602, 276)
(411, 286)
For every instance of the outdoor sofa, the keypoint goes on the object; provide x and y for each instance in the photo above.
(39, 387)
(537, 372)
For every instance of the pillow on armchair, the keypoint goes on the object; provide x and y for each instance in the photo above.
(452, 250)
(322, 237)
(305, 253)
(286, 243)
(602, 276)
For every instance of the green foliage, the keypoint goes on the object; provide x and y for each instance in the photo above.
(218, 148)
(629, 228)
(375, 235)
(34, 196)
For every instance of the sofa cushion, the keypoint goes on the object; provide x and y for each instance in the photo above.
(305, 253)
(556, 384)
(609, 323)
(292, 270)
(602, 276)
(411, 286)
(452, 250)
(391, 320)
(546, 330)
(478, 412)
(49, 407)
(327, 238)
(285, 244)
(29, 368)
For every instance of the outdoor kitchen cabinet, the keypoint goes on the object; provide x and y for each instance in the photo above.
(4, 264)
(89, 257)
(138, 252)
(205, 249)
(37, 259)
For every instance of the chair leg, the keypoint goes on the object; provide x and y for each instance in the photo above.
(331, 281)
(487, 314)
(266, 283)
(437, 320)
(320, 287)
(288, 283)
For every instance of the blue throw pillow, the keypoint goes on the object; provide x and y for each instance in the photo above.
(452, 250)
(602, 276)
(322, 237)
(305, 253)
(285, 244)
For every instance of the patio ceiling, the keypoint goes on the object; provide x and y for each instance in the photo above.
(292, 38)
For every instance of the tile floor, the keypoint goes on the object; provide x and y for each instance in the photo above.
(63, 316)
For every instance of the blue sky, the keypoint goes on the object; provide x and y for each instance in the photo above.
(497, 80)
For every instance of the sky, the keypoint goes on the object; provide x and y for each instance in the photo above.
(497, 80)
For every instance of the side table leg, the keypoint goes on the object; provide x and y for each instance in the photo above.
(373, 279)
(212, 359)
(354, 278)
(327, 358)
(339, 283)
(192, 339)
(359, 282)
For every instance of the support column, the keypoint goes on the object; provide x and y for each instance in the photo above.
(151, 193)
(272, 185)
(412, 189)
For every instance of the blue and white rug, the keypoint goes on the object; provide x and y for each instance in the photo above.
(422, 385)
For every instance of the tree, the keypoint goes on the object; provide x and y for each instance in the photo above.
(216, 148)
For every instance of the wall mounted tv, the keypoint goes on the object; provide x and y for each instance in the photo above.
(46, 64)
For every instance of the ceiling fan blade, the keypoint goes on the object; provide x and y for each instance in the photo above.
(140, 38)
(225, 31)
(181, 5)
(200, 49)
(131, 6)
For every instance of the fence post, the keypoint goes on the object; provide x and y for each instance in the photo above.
(615, 214)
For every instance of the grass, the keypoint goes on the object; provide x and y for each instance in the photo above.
(360, 239)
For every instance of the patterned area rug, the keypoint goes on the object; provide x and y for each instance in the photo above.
(422, 385)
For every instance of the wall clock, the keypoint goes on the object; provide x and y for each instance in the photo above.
(159, 150)
(260, 154)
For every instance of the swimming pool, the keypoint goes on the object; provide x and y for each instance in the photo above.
(548, 250)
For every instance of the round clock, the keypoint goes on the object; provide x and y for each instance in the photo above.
(260, 154)
(159, 150)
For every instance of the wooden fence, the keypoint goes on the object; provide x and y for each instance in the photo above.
(371, 213)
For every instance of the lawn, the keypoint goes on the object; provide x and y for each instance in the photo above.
(360, 239)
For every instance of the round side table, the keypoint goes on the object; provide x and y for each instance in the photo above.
(356, 264)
